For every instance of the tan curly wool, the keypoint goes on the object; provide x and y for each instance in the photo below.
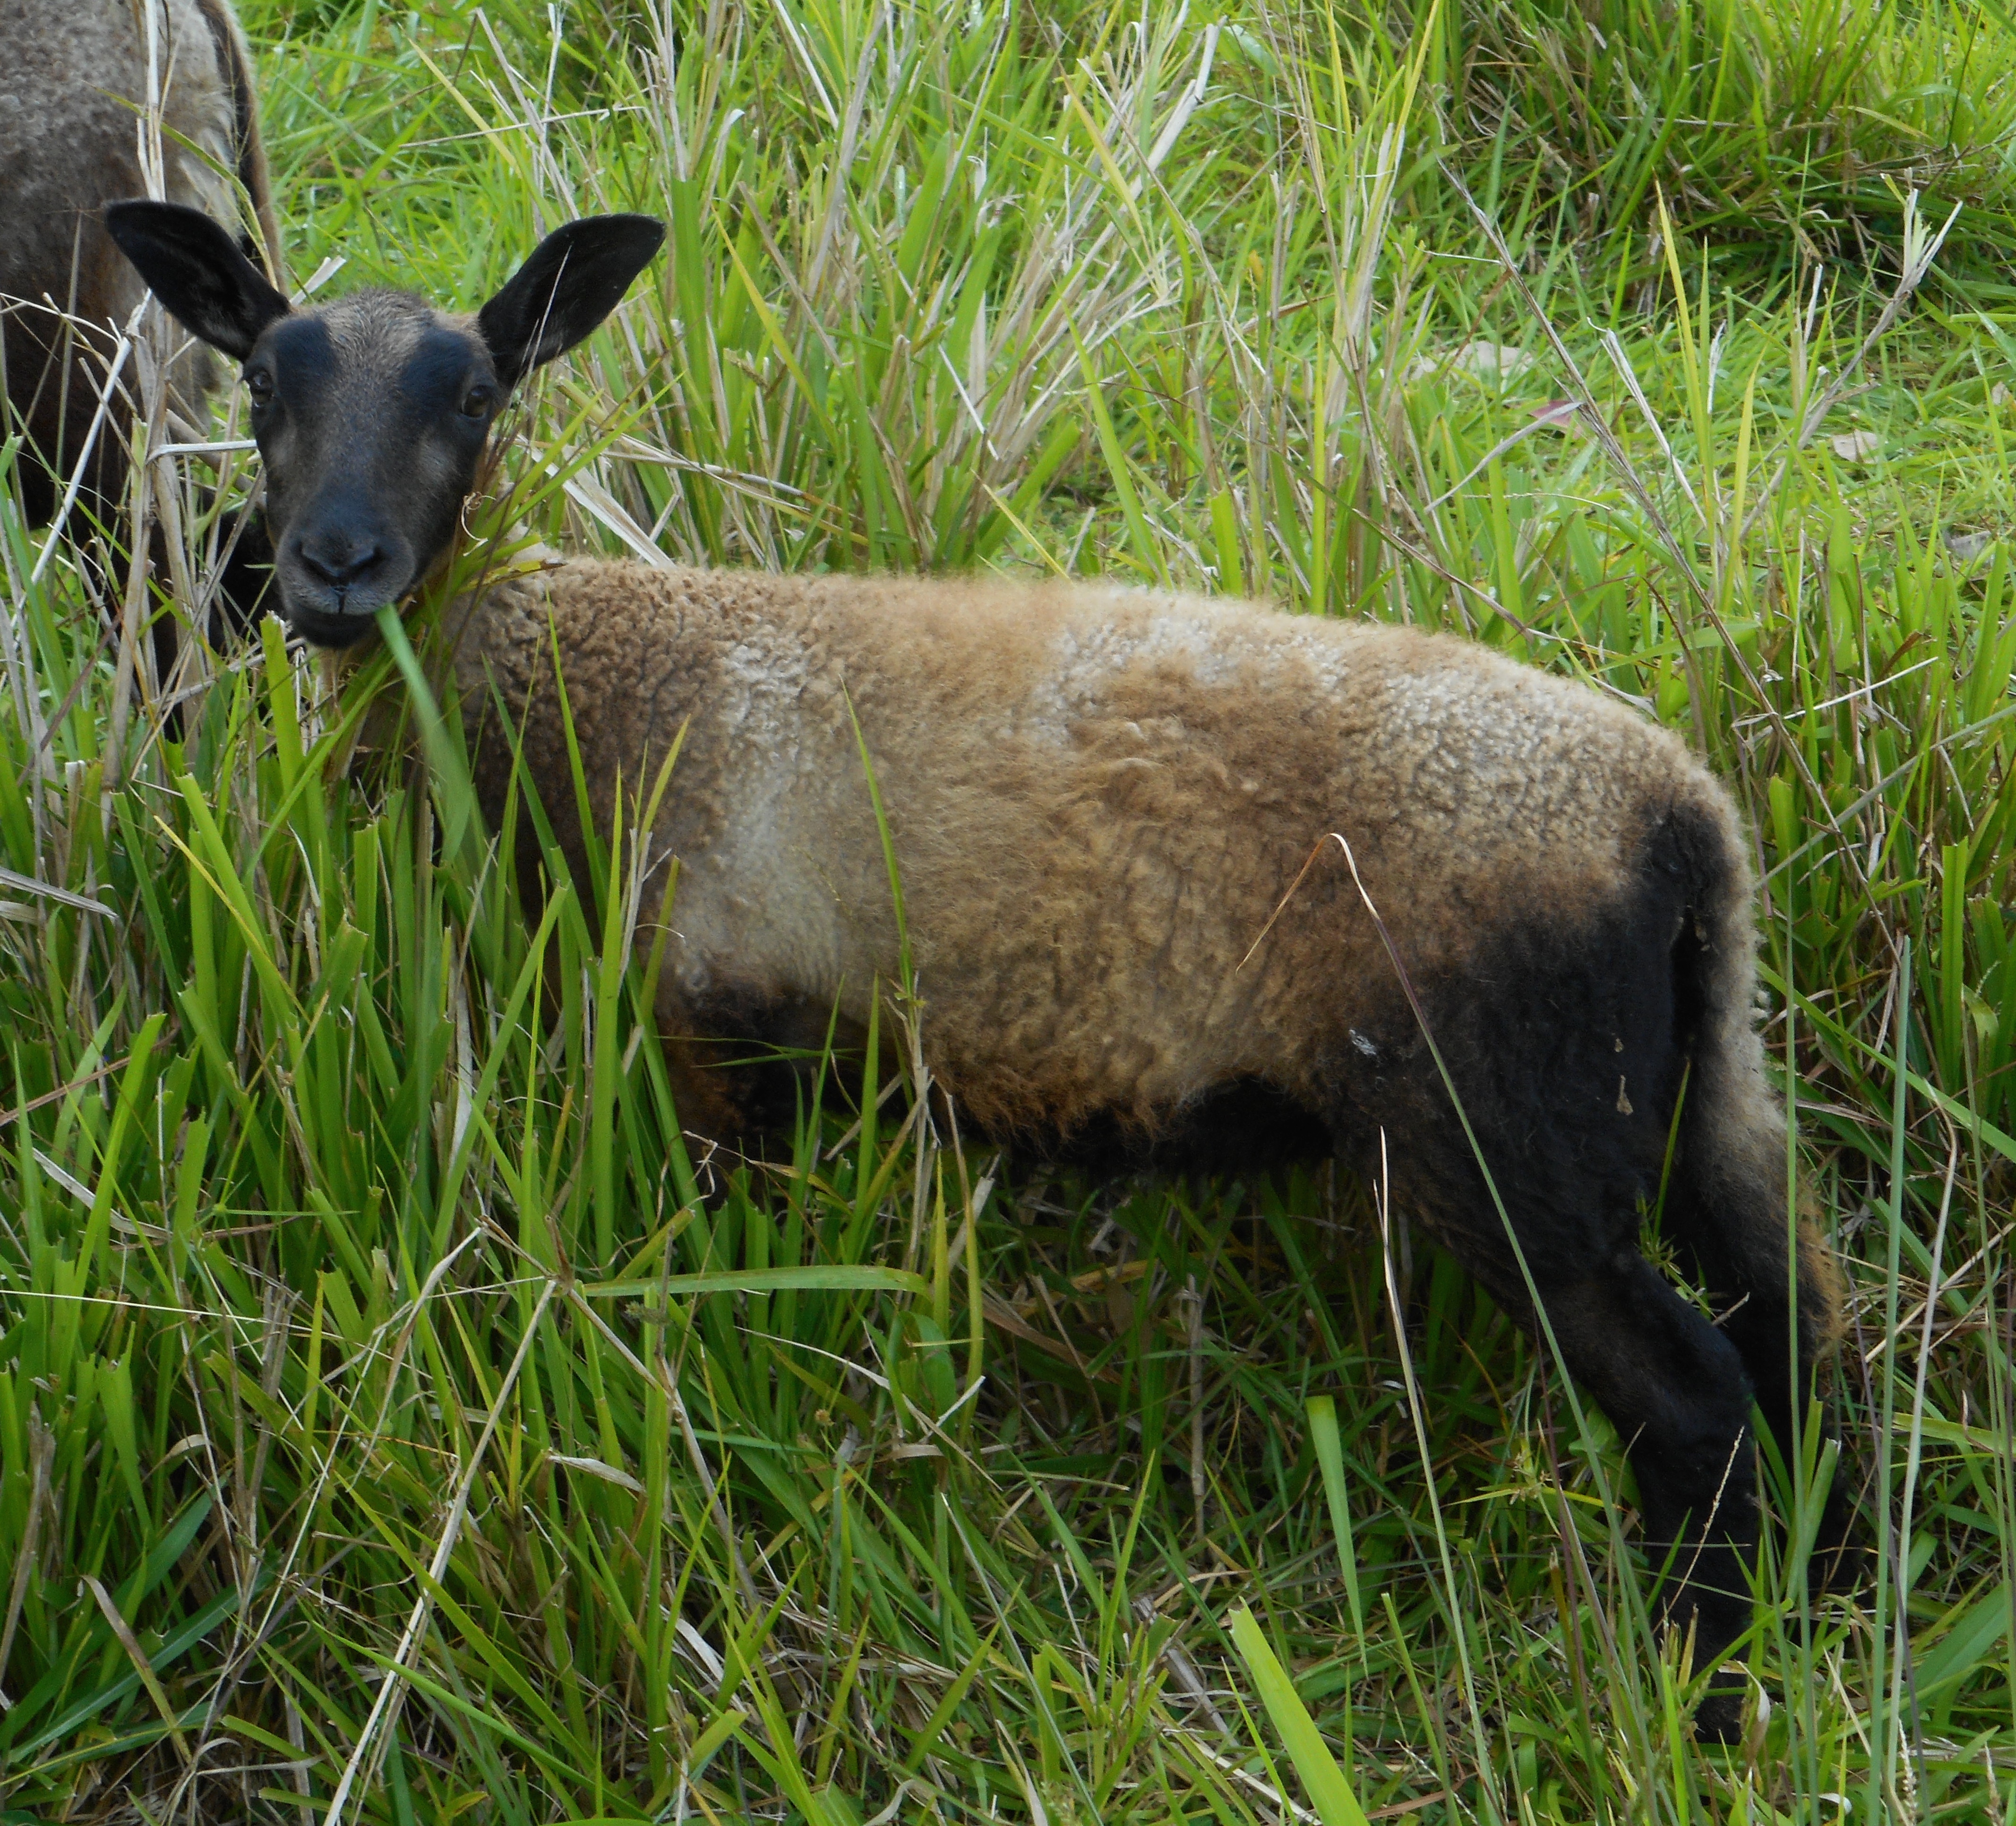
(1098, 799)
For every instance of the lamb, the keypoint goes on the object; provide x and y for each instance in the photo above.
(1104, 806)
(71, 126)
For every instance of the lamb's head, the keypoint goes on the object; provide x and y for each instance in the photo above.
(372, 412)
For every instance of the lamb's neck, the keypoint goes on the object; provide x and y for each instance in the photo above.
(499, 630)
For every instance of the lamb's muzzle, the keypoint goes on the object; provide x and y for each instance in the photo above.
(1099, 800)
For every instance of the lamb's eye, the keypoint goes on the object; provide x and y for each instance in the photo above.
(259, 384)
(476, 402)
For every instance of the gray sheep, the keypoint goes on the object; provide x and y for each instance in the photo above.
(73, 75)
(1100, 800)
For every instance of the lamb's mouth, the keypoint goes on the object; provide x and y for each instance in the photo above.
(339, 615)
(333, 631)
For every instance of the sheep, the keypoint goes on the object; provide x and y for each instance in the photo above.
(1112, 816)
(71, 128)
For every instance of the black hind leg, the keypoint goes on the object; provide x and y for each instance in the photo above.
(1774, 1286)
(1674, 1388)
(1673, 1384)
(1566, 1046)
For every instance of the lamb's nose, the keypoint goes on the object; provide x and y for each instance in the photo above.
(339, 561)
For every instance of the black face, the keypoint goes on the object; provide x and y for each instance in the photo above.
(373, 413)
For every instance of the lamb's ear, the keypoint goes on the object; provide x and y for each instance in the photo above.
(573, 280)
(195, 268)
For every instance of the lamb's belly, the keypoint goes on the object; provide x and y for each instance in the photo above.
(1039, 1015)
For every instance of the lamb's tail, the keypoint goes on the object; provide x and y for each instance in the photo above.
(1734, 1206)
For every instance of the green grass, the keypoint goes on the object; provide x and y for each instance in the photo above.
(357, 1316)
